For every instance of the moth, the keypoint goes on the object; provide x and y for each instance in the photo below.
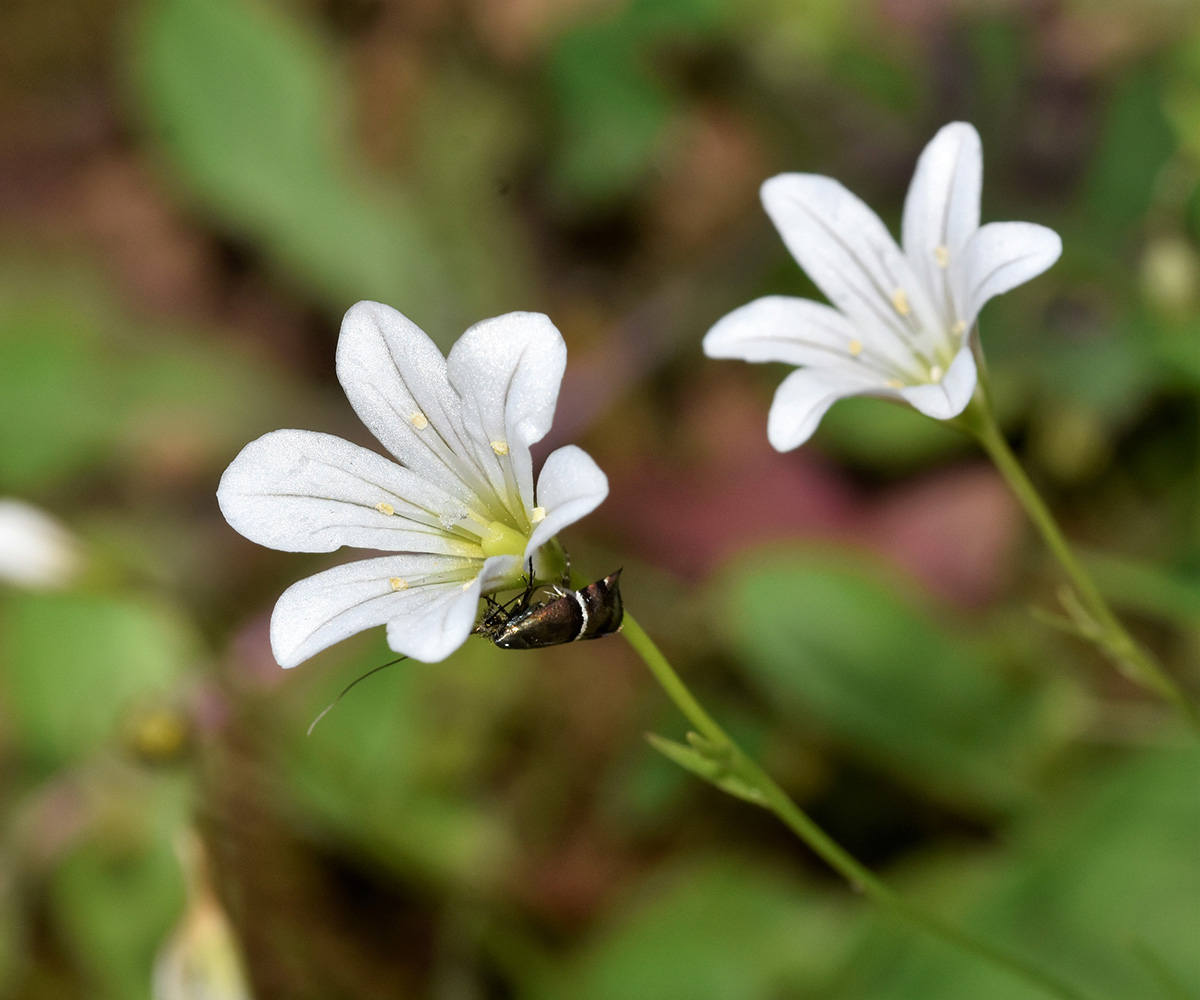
(568, 616)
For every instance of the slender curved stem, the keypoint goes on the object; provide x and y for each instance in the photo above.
(801, 824)
(1104, 628)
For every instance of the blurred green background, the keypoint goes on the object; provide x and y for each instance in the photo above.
(191, 194)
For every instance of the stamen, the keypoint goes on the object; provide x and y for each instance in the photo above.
(936, 373)
(900, 302)
(500, 447)
(419, 420)
(398, 583)
(942, 256)
(894, 383)
(385, 508)
(958, 329)
(855, 347)
(537, 514)
(468, 585)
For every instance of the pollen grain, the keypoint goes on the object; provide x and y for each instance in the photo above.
(398, 583)
(500, 447)
(855, 347)
(900, 302)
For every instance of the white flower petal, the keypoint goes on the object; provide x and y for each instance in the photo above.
(848, 253)
(796, 332)
(435, 616)
(803, 398)
(301, 491)
(395, 378)
(1001, 256)
(941, 210)
(36, 550)
(570, 486)
(949, 397)
(507, 371)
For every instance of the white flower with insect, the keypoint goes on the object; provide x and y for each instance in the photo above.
(460, 513)
(902, 323)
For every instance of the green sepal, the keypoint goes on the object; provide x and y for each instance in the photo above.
(713, 762)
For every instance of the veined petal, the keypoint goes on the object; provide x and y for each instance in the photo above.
(803, 398)
(1001, 256)
(949, 397)
(395, 378)
(425, 593)
(507, 371)
(301, 491)
(941, 211)
(796, 332)
(852, 258)
(570, 486)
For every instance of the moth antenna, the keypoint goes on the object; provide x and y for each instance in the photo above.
(329, 708)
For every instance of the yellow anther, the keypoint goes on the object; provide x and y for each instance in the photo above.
(419, 420)
(537, 514)
(894, 383)
(942, 256)
(958, 329)
(385, 508)
(936, 373)
(500, 447)
(398, 583)
(900, 302)
(855, 347)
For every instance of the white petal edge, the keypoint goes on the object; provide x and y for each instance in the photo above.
(1001, 256)
(303, 491)
(941, 209)
(508, 370)
(803, 398)
(395, 378)
(949, 397)
(326, 608)
(849, 254)
(793, 331)
(571, 485)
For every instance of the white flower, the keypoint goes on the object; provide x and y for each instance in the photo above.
(903, 320)
(36, 551)
(460, 512)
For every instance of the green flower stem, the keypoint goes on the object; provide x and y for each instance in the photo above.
(774, 798)
(1101, 626)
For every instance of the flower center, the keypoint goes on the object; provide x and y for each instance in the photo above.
(500, 539)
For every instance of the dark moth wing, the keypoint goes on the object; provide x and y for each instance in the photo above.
(588, 613)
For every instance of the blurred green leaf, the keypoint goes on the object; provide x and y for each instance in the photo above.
(612, 107)
(80, 387)
(71, 664)
(885, 436)
(835, 643)
(388, 772)
(250, 109)
(719, 929)
(118, 894)
(1136, 144)
(1111, 871)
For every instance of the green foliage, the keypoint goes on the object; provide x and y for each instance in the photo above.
(72, 664)
(80, 387)
(714, 929)
(249, 107)
(118, 894)
(832, 643)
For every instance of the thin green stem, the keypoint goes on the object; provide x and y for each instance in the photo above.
(801, 824)
(1103, 628)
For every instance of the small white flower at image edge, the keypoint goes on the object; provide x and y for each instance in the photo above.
(37, 551)
(901, 323)
(459, 513)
